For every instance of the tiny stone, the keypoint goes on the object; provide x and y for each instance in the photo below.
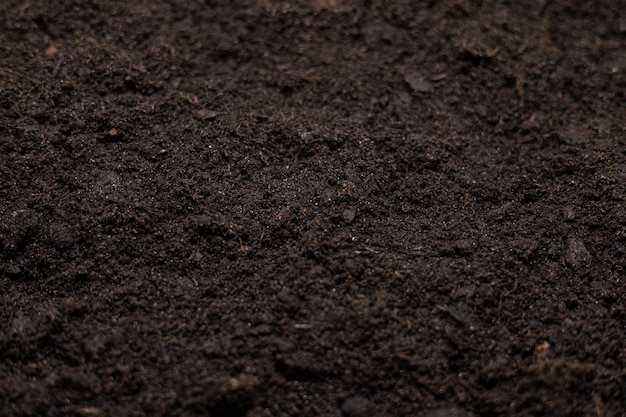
(418, 83)
(576, 254)
(348, 215)
(186, 283)
(205, 114)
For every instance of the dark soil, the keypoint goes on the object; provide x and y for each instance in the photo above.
(313, 208)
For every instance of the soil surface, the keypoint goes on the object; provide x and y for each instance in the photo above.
(313, 208)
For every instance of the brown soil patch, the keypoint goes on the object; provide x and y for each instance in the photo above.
(312, 208)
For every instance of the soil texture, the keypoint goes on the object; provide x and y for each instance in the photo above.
(339, 208)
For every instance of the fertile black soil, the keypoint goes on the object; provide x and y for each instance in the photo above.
(313, 208)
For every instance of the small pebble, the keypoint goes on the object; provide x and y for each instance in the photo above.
(418, 83)
(576, 254)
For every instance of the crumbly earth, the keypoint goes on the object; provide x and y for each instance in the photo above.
(312, 208)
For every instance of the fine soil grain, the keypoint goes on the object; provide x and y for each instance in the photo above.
(313, 208)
